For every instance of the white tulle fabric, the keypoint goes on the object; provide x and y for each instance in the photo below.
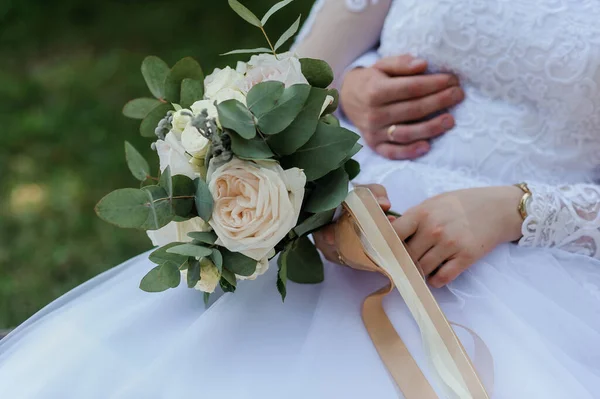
(531, 70)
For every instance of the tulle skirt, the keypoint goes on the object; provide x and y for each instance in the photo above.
(538, 310)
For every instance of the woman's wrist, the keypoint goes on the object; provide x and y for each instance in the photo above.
(513, 220)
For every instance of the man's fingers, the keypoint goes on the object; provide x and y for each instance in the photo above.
(411, 87)
(413, 132)
(402, 65)
(415, 110)
(402, 152)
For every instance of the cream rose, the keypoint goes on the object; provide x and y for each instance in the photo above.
(283, 68)
(181, 119)
(177, 231)
(172, 153)
(194, 142)
(209, 276)
(224, 84)
(256, 204)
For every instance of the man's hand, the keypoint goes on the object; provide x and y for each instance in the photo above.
(389, 101)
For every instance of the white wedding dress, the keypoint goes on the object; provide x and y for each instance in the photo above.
(531, 72)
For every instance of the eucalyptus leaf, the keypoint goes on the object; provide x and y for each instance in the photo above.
(352, 168)
(183, 195)
(150, 122)
(282, 275)
(245, 13)
(331, 190)
(331, 108)
(217, 259)
(249, 51)
(133, 208)
(228, 281)
(155, 72)
(264, 96)
(273, 10)
(302, 128)
(330, 120)
(238, 263)
(304, 264)
(206, 298)
(235, 116)
(314, 222)
(140, 107)
(355, 149)
(193, 273)
(184, 68)
(159, 207)
(324, 152)
(161, 255)
(255, 148)
(285, 110)
(204, 200)
(192, 90)
(208, 237)
(161, 278)
(195, 251)
(317, 72)
(287, 35)
(139, 167)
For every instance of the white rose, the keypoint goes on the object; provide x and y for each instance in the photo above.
(177, 231)
(207, 105)
(328, 101)
(261, 268)
(222, 79)
(181, 119)
(241, 67)
(256, 204)
(194, 142)
(284, 68)
(172, 153)
(230, 94)
(209, 276)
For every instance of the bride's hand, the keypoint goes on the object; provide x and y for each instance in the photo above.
(325, 237)
(450, 232)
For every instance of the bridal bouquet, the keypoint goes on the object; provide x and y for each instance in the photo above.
(251, 161)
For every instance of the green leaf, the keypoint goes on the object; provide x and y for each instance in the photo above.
(204, 200)
(324, 152)
(314, 222)
(137, 164)
(192, 90)
(185, 68)
(352, 168)
(150, 122)
(288, 34)
(133, 208)
(161, 278)
(155, 72)
(238, 263)
(302, 128)
(206, 298)
(195, 251)
(336, 100)
(193, 273)
(255, 148)
(273, 10)
(217, 259)
(140, 107)
(262, 97)
(355, 149)
(285, 110)
(204, 237)
(180, 191)
(330, 120)
(330, 192)
(304, 264)
(235, 116)
(282, 275)
(249, 51)
(243, 12)
(317, 72)
(228, 281)
(161, 255)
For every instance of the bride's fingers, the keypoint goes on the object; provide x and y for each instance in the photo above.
(420, 243)
(406, 225)
(395, 151)
(435, 257)
(380, 194)
(448, 272)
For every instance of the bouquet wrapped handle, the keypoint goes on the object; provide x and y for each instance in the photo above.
(367, 241)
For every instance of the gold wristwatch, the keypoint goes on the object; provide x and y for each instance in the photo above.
(524, 199)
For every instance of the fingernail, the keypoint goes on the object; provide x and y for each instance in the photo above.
(422, 150)
(383, 201)
(453, 81)
(457, 95)
(417, 62)
(447, 123)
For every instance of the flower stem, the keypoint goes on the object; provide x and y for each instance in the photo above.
(268, 41)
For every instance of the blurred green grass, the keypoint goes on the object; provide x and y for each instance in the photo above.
(66, 69)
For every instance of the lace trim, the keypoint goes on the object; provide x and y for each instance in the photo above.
(359, 5)
(565, 217)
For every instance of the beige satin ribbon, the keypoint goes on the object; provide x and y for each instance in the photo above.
(367, 241)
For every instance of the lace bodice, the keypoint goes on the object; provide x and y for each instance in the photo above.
(531, 73)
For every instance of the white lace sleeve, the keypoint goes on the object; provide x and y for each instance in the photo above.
(566, 217)
(339, 31)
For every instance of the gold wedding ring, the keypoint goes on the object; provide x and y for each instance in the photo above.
(390, 132)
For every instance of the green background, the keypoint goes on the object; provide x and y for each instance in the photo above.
(66, 69)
